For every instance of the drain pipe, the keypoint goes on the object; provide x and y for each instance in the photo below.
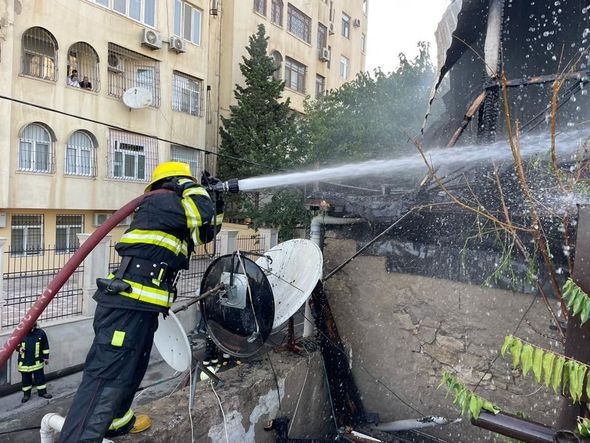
(417, 423)
(51, 423)
(316, 237)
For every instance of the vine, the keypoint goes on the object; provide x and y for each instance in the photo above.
(465, 399)
(577, 301)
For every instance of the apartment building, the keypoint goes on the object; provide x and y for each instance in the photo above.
(76, 148)
(317, 45)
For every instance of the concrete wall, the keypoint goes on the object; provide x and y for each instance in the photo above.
(405, 330)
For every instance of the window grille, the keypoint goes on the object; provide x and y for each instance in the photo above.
(131, 157)
(186, 155)
(294, 75)
(276, 12)
(81, 155)
(363, 42)
(260, 6)
(36, 153)
(343, 67)
(66, 229)
(39, 57)
(322, 38)
(278, 62)
(143, 11)
(187, 22)
(128, 69)
(298, 23)
(186, 94)
(83, 70)
(26, 234)
(320, 85)
(345, 25)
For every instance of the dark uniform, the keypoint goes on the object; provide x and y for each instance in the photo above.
(33, 352)
(157, 245)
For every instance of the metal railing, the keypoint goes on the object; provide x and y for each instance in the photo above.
(25, 278)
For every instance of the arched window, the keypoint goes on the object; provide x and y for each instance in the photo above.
(83, 67)
(39, 54)
(81, 154)
(278, 62)
(36, 149)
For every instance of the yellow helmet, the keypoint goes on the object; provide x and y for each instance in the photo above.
(170, 169)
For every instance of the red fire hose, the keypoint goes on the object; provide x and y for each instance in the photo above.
(62, 276)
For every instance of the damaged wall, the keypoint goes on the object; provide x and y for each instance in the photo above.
(405, 330)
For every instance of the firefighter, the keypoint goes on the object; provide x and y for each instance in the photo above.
(156, 247)
(33, 355)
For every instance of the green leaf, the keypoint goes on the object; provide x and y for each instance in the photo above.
(515, 350)
(475, 405)
(585, 314)
(538, 364)
(579, 302)
(507, 344)
(490, 407)
(579, 373)
(548, 360)
(584, 427)
(557, 373)
(567, 372)
(526, 358)
(588, 385)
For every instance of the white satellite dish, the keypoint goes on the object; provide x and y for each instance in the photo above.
(137, 98)
(293, 273)
(172, 343)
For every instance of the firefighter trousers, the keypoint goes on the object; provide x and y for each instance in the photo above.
(114, 368)
(38, 376)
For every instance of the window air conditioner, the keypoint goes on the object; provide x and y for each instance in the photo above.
(356, 23)
(177, 44)
(101, 217)
(331, 29)
(325, 54)
(115, 63)
(214, 7)
(152, 39)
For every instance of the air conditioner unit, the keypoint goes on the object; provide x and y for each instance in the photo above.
(177, 44)
(331, 29)
(152, 39)
(356, 23)
(325, 54)
(214, 7)
(100, 218)
(115, 63)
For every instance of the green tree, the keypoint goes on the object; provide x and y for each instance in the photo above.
(260, 137)
(372, 116)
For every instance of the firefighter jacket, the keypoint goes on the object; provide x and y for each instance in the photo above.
(158, 244)
(33, 351)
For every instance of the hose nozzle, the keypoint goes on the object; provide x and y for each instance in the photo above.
(231, 185)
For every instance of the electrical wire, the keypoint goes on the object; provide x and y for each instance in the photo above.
(222, 412)
(14, 431)
(300, 391)
(276, 379)
(190, 415)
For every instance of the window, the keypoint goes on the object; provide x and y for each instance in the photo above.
(322, 37)
(294, 75)
(81, 155)
(186, 155)
(186, 94)
(345, 25)
(365, 6)
(343, 67)
(127, 69)
(143, 11)
(26, 234)
(187, 22)
(277, 59)
(260, 6)
(363, 42)
(320, 85)
(131, 156)
(39, 57)
(83, 67)
(298, 23)
(36, 149)
(276, 12)
(66, 228)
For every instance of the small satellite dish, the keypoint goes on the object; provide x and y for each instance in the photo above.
(293, 269)
(137, 98)
(172, 343)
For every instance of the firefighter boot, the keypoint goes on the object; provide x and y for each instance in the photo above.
(26, 397)
(142, 422)
(44, 394)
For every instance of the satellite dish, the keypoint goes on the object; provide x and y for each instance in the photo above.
(239, 318)
(172, 343)
(293, 269)
(137, 98)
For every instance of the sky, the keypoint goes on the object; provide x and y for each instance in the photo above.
(396, 26)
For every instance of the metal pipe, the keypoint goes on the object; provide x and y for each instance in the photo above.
(64, 274)
(316, 237)
(414, 423)
(515, 427)
(51, 423)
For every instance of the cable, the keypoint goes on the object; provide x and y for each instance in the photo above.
(222, 413)
(300, 392)
(14, 431)
(276, 379)
(190, 415)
